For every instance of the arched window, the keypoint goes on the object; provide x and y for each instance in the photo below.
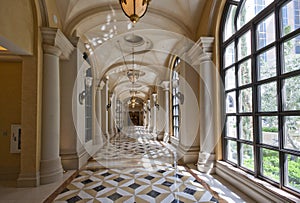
(260, 67)
(175, 99)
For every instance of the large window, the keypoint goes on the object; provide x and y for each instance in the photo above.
(260, 43)
(175, 99)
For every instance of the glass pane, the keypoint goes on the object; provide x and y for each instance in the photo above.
(293, 176)
(232, 151)
(229, 57)
(246, 128)
(291, 93)
(230, 79)
(270, 164)
(231, 126)
(247, 157)
(266, 64)
(245, 100)
(290, 17)
(292, 132)
(245, 73)
(230, 102)
(291, 55)
(267, 97)
(229, 23)
(269, 130)
(244, 45)
(264, 37)
(250, 9)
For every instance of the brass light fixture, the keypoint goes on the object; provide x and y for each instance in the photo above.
(134, 9)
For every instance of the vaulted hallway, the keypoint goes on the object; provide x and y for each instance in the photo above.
(148, 100)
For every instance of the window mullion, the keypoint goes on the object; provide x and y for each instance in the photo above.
(257, 160)
(280, 96)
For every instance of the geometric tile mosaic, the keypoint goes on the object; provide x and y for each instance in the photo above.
(138, 182)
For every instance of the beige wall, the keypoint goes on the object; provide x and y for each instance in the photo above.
(16, 26)
(53, 15)
(10, 108)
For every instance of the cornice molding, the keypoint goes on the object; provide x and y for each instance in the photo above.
(54, 37)
(202, 50)
(165, 85)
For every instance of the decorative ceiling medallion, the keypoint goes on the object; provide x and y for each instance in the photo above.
(140, 43)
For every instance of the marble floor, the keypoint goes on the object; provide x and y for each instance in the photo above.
(134, 167)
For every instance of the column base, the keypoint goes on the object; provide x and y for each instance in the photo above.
(74, 161)
(160, 136)
(206, 162)
(51, 171)
(188, 154)
(28, 180)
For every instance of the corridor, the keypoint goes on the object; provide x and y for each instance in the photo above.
(134, 167)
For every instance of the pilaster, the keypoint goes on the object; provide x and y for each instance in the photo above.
(55, 46)
(201, 55)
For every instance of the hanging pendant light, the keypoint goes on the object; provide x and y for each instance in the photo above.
(134, 9)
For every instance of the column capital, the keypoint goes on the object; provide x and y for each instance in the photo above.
(54, 37)
(206, 43)
(53, 50)
(165, 85)
(202, 50)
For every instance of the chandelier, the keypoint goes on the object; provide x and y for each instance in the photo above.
(133, 75)
(132, 102)
(134, 9)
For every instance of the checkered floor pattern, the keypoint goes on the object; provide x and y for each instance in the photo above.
(135, 185)
(134, 168)
(128, 147)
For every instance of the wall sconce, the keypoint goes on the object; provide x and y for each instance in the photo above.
(108, 106)
(81, 97)
(88, 83)
(180, 97)
(155, 100)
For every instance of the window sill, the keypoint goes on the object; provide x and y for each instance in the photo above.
(257, 189)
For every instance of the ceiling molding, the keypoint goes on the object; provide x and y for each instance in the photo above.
(73, 24)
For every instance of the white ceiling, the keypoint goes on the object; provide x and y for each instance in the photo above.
(165, 28)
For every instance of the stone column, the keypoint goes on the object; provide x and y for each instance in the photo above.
(144, 115)
(99, 134)
(154, 97)
(207, 94)
(106, 111)
(148, 115)
(111, 115)
(166, 89)
(73, 154)
(55, 45)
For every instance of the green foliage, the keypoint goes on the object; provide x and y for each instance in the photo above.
(269, 129)
(294, 171)
(271, 168)
(271, 164)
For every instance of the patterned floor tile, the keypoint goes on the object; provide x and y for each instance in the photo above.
(147, 180)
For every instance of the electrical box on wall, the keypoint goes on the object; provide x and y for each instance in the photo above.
(15, 139)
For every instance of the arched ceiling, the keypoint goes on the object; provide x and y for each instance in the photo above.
(110, 38)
